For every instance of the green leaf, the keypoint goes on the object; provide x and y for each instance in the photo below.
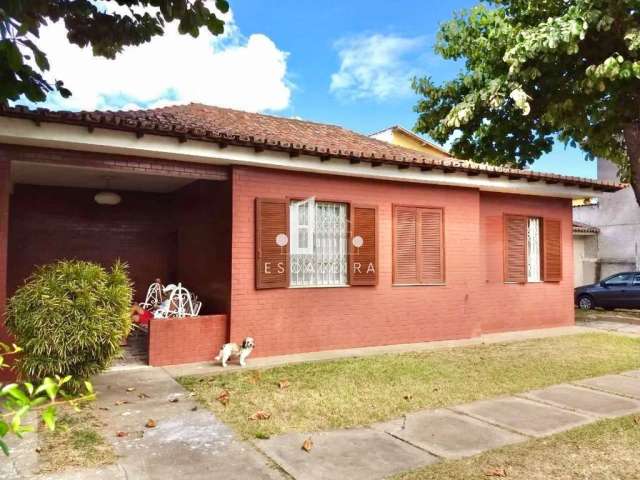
(49, 417)
(4, 448)
(222, 5)
(13, 55)
(29, 387)
(16, 393)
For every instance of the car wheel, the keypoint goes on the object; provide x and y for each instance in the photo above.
(585, 302)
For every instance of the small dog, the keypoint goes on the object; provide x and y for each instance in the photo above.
(242, 351)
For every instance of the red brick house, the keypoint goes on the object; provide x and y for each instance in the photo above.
(305, 236)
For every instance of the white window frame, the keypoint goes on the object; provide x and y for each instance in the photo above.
(325, 264)
(308, 230)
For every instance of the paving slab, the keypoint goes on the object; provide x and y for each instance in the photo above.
(585, 400)
(354, 454)
(524, 416)
(635, 329)
(620, 384)
(449, 434)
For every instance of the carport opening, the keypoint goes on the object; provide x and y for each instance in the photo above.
(175, 229)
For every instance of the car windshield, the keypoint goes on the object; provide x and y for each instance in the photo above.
(617, 280)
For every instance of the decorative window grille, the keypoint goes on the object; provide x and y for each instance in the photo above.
(533, 250)
(319, 236)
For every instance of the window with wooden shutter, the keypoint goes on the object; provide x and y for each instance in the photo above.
(552, 250)
(363, 257)
(515, 248)
(272, 243)
(418, 246)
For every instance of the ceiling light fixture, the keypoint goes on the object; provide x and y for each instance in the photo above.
(106, 197)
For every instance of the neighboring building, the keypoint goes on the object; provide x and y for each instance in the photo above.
(616, 217)
(402, 137)
(304, 236)
(585, 254)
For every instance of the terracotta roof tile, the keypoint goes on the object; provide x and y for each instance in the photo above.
(579, 227)
(236, 127)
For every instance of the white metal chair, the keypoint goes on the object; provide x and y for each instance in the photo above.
(154, 296)
(181, 303)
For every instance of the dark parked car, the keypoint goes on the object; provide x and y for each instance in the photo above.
(621, 290)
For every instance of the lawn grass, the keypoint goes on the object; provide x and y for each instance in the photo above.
(76, 442)
(354, 392)
(604, 450)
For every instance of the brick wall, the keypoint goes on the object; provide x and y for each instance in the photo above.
(115, 163)
(505, 307)
(5, 187)
(52, 223)
(309, 319)
(204, 242)
(185, 340)
(472, 301)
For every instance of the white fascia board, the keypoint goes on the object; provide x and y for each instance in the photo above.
(54, 135)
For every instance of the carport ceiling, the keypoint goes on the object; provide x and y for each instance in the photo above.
(65, 176)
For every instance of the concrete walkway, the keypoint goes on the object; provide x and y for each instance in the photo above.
(187, 442)
(612, 326)
(423, 438)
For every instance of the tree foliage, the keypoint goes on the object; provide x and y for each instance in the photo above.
(89, 23)
(70, 318)
(535, 71)
(19, 399)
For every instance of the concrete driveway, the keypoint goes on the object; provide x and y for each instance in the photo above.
(187, 442)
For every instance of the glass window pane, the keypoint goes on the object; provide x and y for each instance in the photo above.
(622, 279)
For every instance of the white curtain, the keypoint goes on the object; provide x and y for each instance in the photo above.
(533, 250)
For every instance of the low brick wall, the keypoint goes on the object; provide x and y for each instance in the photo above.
(186, 340)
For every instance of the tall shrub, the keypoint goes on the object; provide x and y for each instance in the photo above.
(70, 318)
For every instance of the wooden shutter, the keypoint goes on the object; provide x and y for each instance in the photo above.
(430, 246)
(405, 238)
(363, 260)
(552, 250)
(515, 248)
(418, 244)
(272, 260)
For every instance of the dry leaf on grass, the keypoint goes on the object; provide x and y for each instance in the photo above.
(256, 375)
(151, 423)
(223, 398)
(407, 397)
(636, 420)
(307, 445)
(282, 384)
(496, 472)
(260, 415)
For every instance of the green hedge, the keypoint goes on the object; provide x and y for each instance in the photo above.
(70, 318)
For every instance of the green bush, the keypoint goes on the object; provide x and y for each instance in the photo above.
(70, 318)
